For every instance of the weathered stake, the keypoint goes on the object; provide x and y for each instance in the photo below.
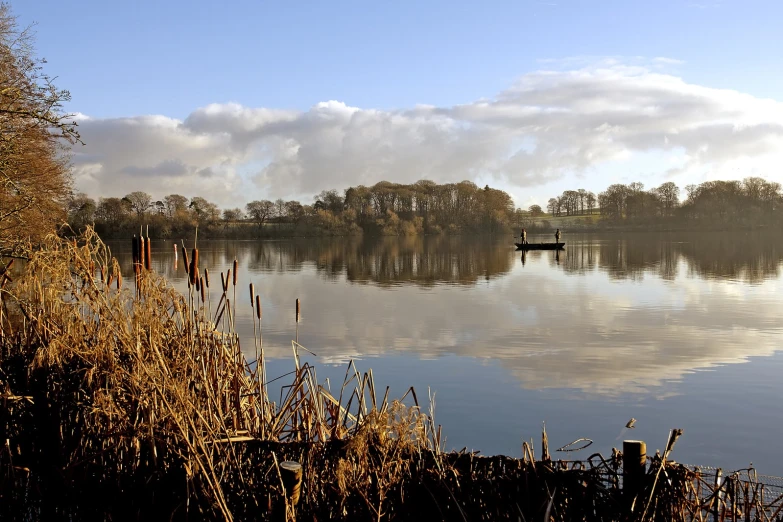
(291, 472)
(634, 467)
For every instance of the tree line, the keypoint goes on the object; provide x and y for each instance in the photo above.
(752, 201)
(385, 208)
(425, 207)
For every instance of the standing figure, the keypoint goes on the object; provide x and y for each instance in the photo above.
(557, 236)
(523, 236)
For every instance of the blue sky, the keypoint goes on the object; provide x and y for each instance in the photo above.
(131, 59)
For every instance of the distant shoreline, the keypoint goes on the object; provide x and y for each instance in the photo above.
(250, 232)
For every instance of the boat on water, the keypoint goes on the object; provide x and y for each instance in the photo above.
(540, 246)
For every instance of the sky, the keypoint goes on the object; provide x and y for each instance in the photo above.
(237, 101)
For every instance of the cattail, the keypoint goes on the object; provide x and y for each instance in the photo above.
(103, 275)
(135, 249)
(194, 266)
(203, 299)
(258, 307)
(252, 294)
(297, 310)
(185, 259)
(223, 282)
(175, 251)
(119, 279)
(141, 252)
(206, 276)
(198, 284)
(236, 270)
(148, 257)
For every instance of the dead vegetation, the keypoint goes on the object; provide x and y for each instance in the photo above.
(134, 402)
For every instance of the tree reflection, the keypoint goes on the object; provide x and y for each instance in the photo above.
(427, 261)
(751, 257)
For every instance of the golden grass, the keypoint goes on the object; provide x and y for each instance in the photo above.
(137, 403)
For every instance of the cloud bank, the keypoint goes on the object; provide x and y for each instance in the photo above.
(550, 125)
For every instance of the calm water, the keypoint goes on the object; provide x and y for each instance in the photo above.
(676, 330)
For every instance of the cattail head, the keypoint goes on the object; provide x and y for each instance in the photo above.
(236, 266)
(185, 259)
(148, 256)
(194, 266)
(135, 249)
(224, 281)
(206, 276)
(202, 291)
(119, 279)
(141, 251)
(197, 284)
(258, 307)
(103, 275)
(298, 308)
(252, 294)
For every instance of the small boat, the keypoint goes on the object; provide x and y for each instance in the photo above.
(540, 246)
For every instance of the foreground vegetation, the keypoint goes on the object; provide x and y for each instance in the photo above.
(124, 400)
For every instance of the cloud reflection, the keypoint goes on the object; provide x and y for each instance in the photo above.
(613, 316)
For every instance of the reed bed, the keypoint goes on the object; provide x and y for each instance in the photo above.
(131, 401)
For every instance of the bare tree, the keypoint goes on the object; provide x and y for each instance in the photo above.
(175, 203)
(233, 214)
(260, 211)
(280, 209)
(139, 202)
(669, 194)
(112, 211)
(590, 202)
(552, 206)
(206, 212)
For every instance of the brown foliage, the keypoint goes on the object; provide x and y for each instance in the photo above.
(34, 170)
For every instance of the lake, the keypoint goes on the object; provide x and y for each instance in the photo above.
(676, 330)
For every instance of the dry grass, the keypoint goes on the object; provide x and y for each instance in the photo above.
(118, 387)
(137, 404)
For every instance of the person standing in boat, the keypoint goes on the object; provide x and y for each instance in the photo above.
(557, 236)
(523, 237)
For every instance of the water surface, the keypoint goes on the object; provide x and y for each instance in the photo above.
(675, 330)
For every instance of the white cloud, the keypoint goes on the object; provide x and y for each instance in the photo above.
(569, 122)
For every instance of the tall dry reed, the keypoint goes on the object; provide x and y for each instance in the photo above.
(138, 404)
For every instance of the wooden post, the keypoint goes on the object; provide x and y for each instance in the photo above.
(634, 467)
(291, 472)
(719, 497)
